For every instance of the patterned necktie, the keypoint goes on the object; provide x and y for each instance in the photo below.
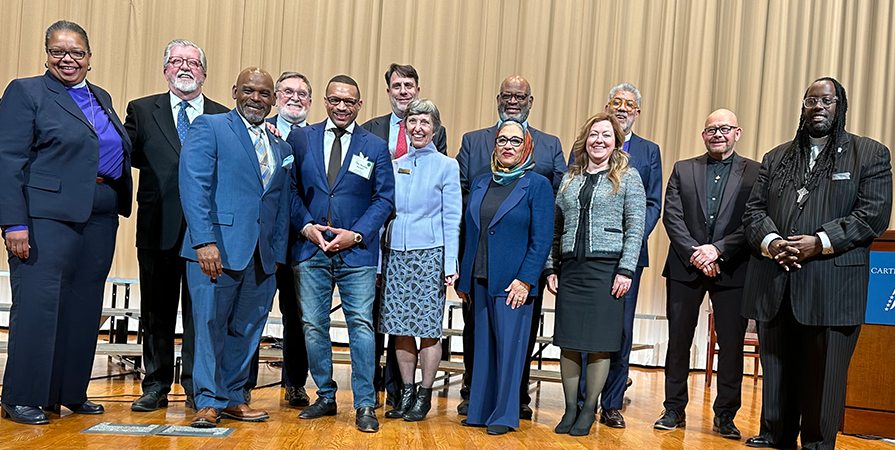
(335, 157)
(261, 151)
(183, 122)
(401, 146)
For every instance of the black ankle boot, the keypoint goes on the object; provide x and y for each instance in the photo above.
(421, 407)
(407, 398)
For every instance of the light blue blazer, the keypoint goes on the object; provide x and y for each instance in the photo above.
(224, 200)
(428, 204)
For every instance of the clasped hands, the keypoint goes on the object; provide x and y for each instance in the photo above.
(620, 285)
(314, 233)
(790, 252)
(705, 258)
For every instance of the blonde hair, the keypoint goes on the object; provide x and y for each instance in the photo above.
(618, 160)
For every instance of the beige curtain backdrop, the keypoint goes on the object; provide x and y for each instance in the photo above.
(687, 57)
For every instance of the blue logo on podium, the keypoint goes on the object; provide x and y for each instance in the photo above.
(881, 290)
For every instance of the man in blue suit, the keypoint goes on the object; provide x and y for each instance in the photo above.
(344, 193)
(624, 104)
(513, 102)
(234, 188)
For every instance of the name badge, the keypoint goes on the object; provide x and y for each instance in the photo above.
(361, 166)
(404, 171)
(842, 176)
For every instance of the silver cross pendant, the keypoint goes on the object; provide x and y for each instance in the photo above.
(802, 194)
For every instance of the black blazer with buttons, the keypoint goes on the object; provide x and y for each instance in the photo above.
(852, 207)
(685, 219)
(156, 152)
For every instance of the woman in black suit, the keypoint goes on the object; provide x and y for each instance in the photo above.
(64, 178)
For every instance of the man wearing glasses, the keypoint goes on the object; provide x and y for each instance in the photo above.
(293, 104)
(514, 101)
(624, 103)
(157, 126)
(704, 204)
(818, 203)
(344, 193)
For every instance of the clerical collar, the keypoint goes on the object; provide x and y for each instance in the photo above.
(80, 85)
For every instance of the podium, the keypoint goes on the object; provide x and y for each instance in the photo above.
(870, 395)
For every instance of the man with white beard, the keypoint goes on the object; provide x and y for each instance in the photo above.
(157, 126)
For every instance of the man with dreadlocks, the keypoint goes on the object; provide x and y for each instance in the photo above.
(818, 203)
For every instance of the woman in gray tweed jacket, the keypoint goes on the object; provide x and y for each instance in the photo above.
(600, 211)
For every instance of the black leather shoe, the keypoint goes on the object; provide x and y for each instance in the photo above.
(28, 415)
(497, 430)
(525, 412)
(723, 425)
(408, 397)
(670, 420)
(87, 407)
(763, 442)
(463, 408)
(366, 420)
(473, 425)
(321, 407)
(421, 406)
(297, 396)
(150, 401)
(612, 418)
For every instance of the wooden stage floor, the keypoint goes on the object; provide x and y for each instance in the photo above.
(441, 430)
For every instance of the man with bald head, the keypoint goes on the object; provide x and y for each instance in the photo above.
(704, 204)
(514, 101)
(234, 188)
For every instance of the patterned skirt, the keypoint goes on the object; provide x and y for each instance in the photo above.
(413, 300)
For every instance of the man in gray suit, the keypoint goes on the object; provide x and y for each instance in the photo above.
(818, 203)
(514, 101)
(704, 205)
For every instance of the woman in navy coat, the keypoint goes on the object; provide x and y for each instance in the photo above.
(509, 230)
(64, 179)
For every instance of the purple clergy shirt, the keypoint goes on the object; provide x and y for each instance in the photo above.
(111, 153)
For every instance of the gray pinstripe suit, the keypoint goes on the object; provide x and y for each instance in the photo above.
(810, 318)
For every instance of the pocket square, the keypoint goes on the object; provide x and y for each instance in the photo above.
(842, 176)
(287, 162)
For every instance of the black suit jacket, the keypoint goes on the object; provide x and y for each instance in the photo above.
(852, 207)
(48, 153)
(379, 126)
(153, 135)
(685, 219)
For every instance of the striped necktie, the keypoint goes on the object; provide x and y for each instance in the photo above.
(261, 152)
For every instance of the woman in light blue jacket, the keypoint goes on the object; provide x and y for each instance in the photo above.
(424, 242)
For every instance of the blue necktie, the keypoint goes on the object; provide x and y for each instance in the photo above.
(183, 122)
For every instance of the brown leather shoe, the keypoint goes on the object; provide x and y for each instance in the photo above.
(207, 417)
(244, 413)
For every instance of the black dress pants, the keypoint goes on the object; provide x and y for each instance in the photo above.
(162, 289)
(57, 300)
(683, 303)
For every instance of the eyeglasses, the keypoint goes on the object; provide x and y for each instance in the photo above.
(507, 96)
(619, 104)
(513, 141)
(724, 129)
(76, 55)
(825, 102)
(178, 62)
(349, 102)
(302, 95)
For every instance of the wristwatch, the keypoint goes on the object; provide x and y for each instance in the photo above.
(358, 238)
